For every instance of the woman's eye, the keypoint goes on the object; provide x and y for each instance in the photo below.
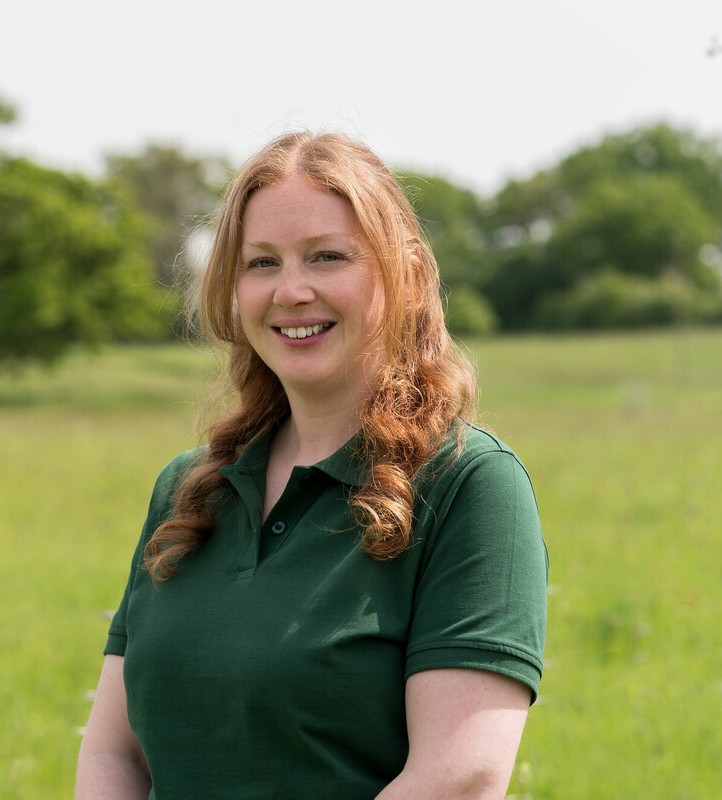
(329, 257)
(262, 262)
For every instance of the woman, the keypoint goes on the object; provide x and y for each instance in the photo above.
(343, 594)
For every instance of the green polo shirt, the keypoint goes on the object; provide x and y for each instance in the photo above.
(272, 666)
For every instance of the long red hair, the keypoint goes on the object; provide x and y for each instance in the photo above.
(424, 387)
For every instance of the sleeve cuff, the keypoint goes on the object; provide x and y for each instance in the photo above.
(115, 646)
(475, 658)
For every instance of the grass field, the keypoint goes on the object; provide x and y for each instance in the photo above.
(623, 436)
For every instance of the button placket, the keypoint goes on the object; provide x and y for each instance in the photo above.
(299, 495)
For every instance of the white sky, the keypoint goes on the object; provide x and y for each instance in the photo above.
(477, 91)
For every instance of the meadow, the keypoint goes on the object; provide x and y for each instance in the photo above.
(623, 437)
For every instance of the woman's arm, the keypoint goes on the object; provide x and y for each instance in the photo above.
(464, 731)
(111, 764)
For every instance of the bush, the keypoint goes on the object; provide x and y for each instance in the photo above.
(73, 266)
(468, 313)
(613, 300)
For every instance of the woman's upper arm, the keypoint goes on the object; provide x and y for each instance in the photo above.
(464, 730)
(480, 599)
(108, 726)
(109, 745)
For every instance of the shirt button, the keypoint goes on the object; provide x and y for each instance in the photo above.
(278, 527)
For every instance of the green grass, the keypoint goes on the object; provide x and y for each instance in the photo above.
(623, 436)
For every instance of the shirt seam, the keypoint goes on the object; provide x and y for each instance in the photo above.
(496, 647)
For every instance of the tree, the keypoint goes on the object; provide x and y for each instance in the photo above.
(679, 154)
(645, 204)
(647, 225)
(468, 313)
(176, 192)
(7, 112)
(73, 269)
(610, 299)
(451, 218)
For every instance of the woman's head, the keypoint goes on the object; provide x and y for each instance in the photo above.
(423, 386)
(413, 316)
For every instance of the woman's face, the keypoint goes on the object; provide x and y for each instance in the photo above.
(309, 292)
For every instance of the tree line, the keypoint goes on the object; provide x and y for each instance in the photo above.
(623, 233)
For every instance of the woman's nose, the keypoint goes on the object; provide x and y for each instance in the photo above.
(293, 287)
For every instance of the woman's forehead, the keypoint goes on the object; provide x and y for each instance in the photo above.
(295, 205)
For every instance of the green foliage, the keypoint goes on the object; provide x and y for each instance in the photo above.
(176, 192)
(468, 313)
(451, 218)
(641, 225)
(73, 269)
(7, 112)
(611, 299)
(679, 154)
(519, 277)
(646, 203)
(520, 205)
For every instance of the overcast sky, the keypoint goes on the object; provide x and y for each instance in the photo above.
(477, 91)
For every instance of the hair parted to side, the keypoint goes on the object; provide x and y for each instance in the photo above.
(424, 387)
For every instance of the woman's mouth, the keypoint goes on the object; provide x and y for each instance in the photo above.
(305, 331)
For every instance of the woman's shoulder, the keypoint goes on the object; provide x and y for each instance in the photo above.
(176, 468)
(482, 440)
(468, 441)
(471, 452)
(170, 476)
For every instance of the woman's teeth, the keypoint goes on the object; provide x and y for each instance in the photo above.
(302, 333)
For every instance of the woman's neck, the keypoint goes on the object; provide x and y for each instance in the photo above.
(310, 435)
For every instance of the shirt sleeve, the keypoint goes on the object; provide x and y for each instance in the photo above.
(160, 506)
(480, 600)
(117, 633)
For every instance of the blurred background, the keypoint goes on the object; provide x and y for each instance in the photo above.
(566, 163)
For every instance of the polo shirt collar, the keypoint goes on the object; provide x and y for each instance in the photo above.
(347, 465)
(254, 456)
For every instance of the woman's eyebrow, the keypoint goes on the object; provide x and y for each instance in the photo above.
(310, 240)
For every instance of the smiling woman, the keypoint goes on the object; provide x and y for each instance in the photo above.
(310, 295)
(343, 593)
